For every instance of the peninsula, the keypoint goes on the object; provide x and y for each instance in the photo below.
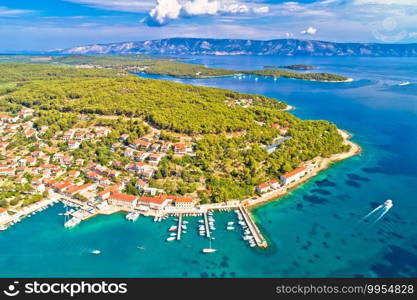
(108, 141)
(166, 66)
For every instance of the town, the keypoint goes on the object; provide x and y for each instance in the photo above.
(43, 173)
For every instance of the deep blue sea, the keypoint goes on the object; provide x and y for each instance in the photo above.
(315, 231)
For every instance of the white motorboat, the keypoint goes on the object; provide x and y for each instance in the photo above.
(209, 249)
(171, 238)
(72, 222)
(95, 252)
(404, 83)
(230, 228)
(388, 204)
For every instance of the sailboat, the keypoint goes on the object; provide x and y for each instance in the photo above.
(210, 249)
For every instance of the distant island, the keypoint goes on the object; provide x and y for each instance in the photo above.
(278, 47)
(157, 66)
(293, 67)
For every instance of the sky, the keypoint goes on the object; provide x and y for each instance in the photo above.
(58, 24)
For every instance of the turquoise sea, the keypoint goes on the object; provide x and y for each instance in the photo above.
(314, 232)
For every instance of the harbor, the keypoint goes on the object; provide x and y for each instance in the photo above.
(77, 211)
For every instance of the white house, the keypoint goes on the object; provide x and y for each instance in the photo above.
(4, 216)
(184, 202)
(123, 200)
(294, 175)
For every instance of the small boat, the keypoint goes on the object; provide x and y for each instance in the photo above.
(140, 247)
(173, 234)
(184, 222)
(230, 228)
(388, 203)
(209, 250)
(171, 238)
(95, 252)
(230, 223)
(72, 222)
(173, 228)
(404, 83)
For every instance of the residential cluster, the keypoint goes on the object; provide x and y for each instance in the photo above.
(89, 183)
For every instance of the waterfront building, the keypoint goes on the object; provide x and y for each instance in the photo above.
(184, 202)
(263, 187)
(293, 175)
(157, 203)
(123, 200)
(4, 216)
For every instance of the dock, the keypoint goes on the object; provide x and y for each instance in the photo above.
(179, 227)
(256, 233)
(207, 225)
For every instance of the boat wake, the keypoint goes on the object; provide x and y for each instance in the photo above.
(377, 213)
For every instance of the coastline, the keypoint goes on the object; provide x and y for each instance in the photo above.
(240, 74)
(321, 164)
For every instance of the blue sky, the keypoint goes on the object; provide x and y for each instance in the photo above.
(52, 24)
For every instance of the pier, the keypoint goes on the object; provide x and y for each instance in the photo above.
(179, 227)
(256, 233)
(207, 225)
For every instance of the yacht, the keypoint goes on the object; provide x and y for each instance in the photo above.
(72, 222)
(388, 204)
(95, 252)
(404, 83)
(173, 228)
(209, 250)
(132, 216)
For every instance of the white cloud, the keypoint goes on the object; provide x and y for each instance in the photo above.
(310, 30)
(201, 7)
(119, 5)
(7, 12)
(261, 10)
(164, 11)
(168, 10)
(387, 2)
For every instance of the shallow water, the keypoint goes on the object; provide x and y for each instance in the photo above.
(314, 231)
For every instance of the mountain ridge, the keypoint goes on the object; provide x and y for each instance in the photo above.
(276, 47)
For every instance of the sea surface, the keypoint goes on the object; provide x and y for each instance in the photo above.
(316, 231)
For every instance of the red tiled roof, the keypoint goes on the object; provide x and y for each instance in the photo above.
(158, 199)
(263, 185)
(294, 172)
(184, 199)
(123, 197)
